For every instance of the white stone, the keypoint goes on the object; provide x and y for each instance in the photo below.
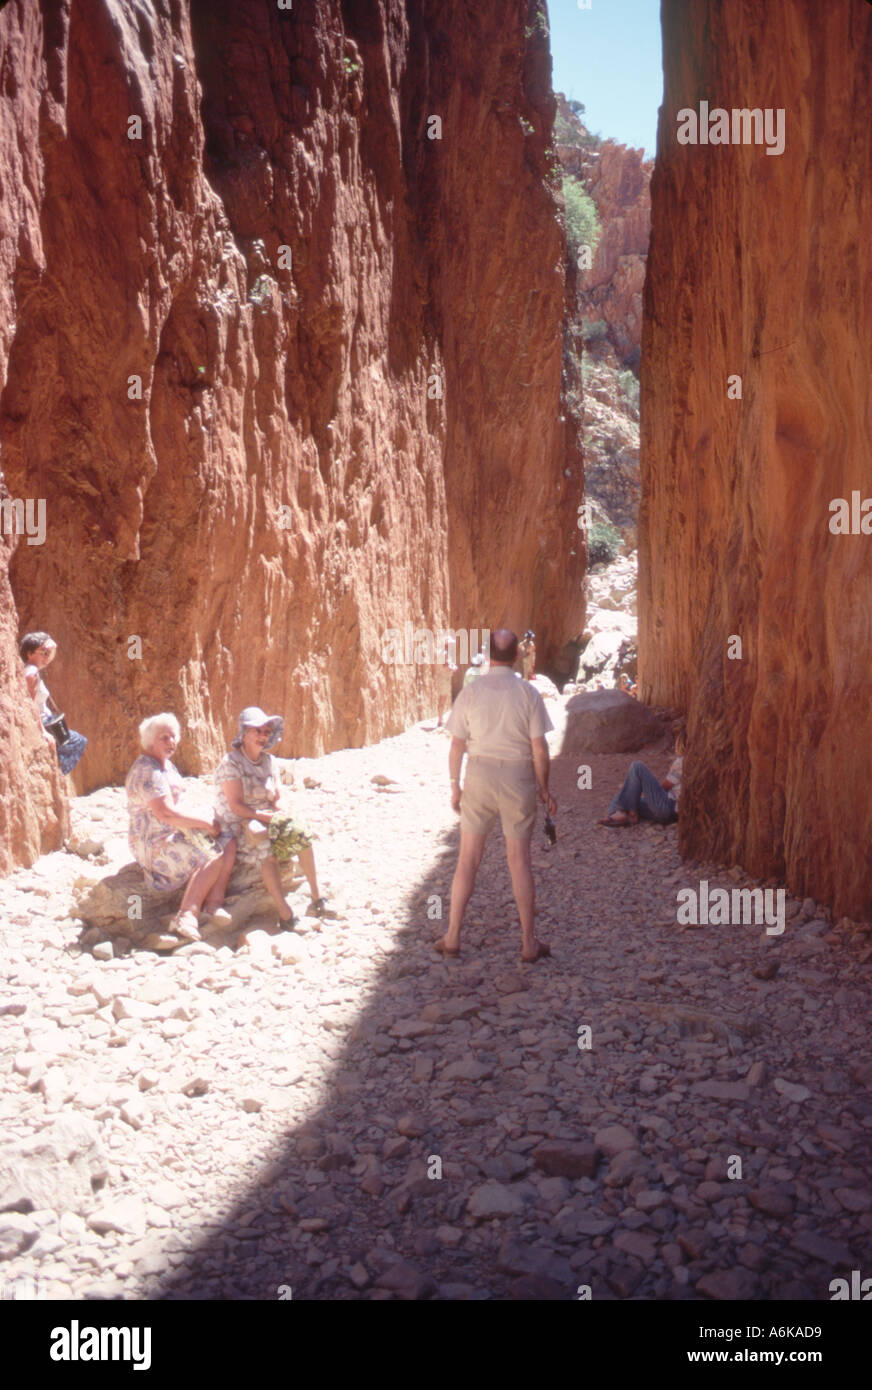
(126, 1215)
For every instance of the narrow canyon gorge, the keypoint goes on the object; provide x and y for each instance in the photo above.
(323, 322)
(281, 322)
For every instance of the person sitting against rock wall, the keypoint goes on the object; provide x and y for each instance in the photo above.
(248, 797)
(627, 685)
(174, 843)
(643, 797)
(37, 651)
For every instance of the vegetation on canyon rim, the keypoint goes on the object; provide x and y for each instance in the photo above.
(582, 221)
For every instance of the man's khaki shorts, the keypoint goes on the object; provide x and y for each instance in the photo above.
(493, 788)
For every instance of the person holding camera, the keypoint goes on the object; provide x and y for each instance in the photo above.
(37, 651)
(500, 722)
(525, 665)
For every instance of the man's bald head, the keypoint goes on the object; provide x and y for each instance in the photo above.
(503, 647)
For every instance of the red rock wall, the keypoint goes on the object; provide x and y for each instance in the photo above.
(34, 814)
(761, 265)
(263, 389)
(33, 809)
(618, 179)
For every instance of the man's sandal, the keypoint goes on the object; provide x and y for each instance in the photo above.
(541, 952)
(443, 949)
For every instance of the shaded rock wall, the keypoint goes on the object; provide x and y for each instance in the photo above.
(761, 265)
(290, 485)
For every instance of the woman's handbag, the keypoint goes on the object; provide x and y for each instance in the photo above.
(57, 727)
(256, 834)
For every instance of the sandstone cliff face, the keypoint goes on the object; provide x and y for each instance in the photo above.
(618, 179)
(295, 272)
(761, 265)
(34, 815)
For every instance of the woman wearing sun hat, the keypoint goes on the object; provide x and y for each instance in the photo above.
(247, 779)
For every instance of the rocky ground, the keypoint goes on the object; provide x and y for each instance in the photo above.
(356, 1118)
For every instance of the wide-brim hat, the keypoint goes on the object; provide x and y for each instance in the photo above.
(253, 717)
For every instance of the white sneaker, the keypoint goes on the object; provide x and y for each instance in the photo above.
(184, 924)
(219, 915)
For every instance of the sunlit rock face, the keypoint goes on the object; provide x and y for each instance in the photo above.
(286, 370)
(760, 267)
(618, 179)
(33, 808)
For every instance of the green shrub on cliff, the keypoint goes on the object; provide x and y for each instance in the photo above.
(628, 384)
(582, 221)
(595, 332)
(603, 543)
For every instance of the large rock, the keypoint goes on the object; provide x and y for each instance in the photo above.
(241, 377)
(608, 721)
(60, 1168)
(757, 269)
(107, 902)
(607, 654)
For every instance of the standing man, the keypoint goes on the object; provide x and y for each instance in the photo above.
(500, 721)
(447, 665)
(526, 662)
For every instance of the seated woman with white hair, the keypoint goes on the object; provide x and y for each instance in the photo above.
(168, 838)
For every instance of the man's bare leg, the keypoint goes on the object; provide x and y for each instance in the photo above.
(521, 870)
(468, 860)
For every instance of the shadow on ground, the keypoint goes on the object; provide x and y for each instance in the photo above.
(472, 1064)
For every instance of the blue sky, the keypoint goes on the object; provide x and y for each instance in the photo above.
(610, 58)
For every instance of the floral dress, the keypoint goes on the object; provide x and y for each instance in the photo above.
(260, 782)
(168, 856)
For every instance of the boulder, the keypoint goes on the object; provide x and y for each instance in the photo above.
(60, 1168)
(547, 689)
(106, 903)
(604, 654)
(608, 721)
